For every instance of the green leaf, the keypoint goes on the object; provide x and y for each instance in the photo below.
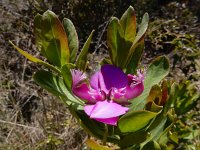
(117, 45)
(132, 122)
(158, 128)
(112, 39)
(72, 38)
(137, 52)
(142, 28)
(55, 85)
(34, 59)
(133, 138)
(128, 24)
(82, 58)
(125, 47)
(152, 145)
(157, 70)
(67, 76)
(51, 38)
(174, 137)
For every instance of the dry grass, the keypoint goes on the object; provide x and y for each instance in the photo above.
(30, 118)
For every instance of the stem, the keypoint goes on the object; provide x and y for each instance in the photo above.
(105, 135)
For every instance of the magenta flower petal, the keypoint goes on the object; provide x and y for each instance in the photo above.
(105, 109)
(110, 121)
(84, 92)
(112, 77)
(97, 82)
(134, 90)
(94, 81)
(118, 95)
(77, 76)
(88, 109)
(105, 112)
(135, 86)
(133, 79)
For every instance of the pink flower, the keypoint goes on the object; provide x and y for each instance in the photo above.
(107, 92)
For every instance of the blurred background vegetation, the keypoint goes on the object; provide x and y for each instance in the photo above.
(31, 118)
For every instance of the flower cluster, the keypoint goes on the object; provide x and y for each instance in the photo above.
(107, 92)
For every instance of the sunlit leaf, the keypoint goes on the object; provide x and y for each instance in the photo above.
(132, 121)
(72, 38)
(128, 24)
(34, 59)
(82, 58)
(142, 28)
(117, 45)
(157, 70)
(125, 47)
(112, 39)
(135, 54)
(51, 38)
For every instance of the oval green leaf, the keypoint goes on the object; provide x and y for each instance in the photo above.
(128, 24)
(72, 38)
(51, 38)
(112, 39)
(135, 120)
(82, 58)
(142, 28)
(137, 46)
(118, 46)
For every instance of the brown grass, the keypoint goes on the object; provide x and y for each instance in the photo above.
(30, 118)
